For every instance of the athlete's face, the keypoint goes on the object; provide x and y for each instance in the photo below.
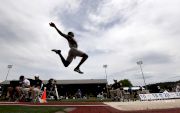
(71, 34)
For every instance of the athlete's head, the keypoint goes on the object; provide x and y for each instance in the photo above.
(71, 34)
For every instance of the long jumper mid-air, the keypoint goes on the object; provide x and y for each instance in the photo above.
(73, 52)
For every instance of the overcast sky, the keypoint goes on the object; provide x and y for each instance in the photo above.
(113, 32)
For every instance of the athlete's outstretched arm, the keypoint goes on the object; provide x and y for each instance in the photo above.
(62, 34)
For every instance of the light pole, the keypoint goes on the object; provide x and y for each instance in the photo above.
(9, 67)
(105, 67)
(140, 63)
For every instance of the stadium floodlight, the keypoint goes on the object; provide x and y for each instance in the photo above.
(9, 67)
(140, 63)
(105, 67)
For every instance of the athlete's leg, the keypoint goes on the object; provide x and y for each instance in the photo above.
(65, 63)
(84, 58)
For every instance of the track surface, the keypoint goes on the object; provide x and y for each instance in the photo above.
(91, 107)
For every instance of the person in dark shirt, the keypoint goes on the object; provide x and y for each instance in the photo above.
(36, 88)
(78, 94)
(116, 90)
(51, 88)
(116, 85)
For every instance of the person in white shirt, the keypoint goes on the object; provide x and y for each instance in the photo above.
(24, 86)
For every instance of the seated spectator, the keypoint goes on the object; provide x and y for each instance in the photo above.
(10, 93)
(36, 88)
(24, 87)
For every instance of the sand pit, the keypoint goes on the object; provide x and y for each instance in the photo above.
(145, 105)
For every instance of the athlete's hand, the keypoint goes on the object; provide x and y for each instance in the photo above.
(52, 24)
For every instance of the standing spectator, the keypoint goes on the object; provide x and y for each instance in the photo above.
(51, 88)
(158, 89)
(0, 91)
(116, 91)
(178, 87)
(78, 94)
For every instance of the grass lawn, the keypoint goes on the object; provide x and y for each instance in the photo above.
(27, 109)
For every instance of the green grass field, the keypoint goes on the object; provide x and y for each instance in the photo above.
(27, 109)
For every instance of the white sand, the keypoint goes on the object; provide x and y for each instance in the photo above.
(144, 105)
